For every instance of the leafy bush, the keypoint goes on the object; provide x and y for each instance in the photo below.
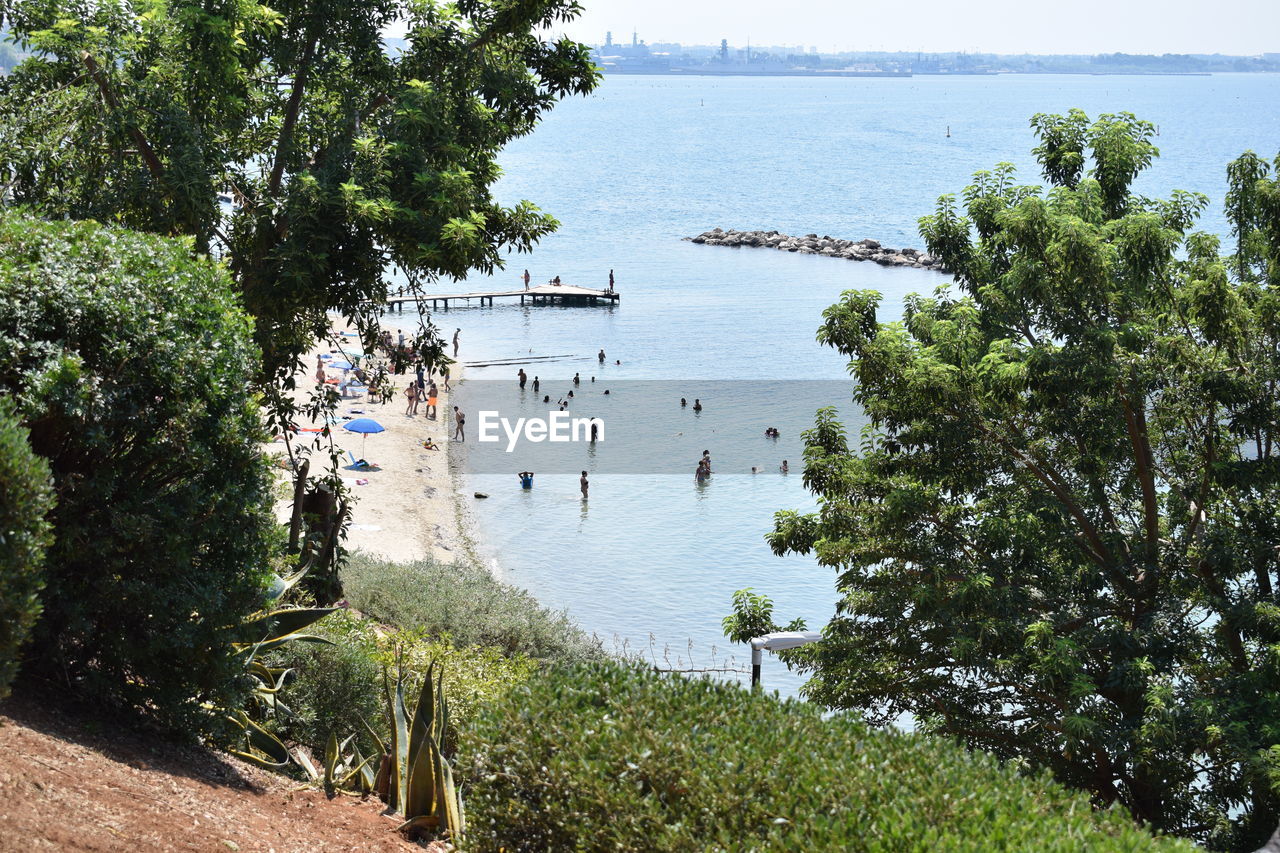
(26, 497)
(608, 757)
(129, 359)
(338, 688)
(466, 602)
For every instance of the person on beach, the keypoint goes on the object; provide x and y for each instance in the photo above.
(526, 282)
(456, 334)
(459, 421)
(526, 479)
(411, 394)
(611, 281)
(784, 468)
(583, 484)
(401, 332)
(418, 369)
(535, 385)
(601, 356)
(320, 374)
(447, 389)
(697, 404)
(433, 396)
(523, 377)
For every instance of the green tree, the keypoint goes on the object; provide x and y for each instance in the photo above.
(127, 358)
(26, 497)
(344, 159)
(1056, 539)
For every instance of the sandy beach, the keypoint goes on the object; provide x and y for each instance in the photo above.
(407, 506)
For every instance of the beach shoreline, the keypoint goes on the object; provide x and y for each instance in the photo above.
(409, 506)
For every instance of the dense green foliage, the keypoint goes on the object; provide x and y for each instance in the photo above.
(26, 497)
(338, 688)
(609, 757)
(1057, 538)
(128, 360)
(465, 602)
(345, 160)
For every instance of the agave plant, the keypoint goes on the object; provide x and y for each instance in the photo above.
(341, 770)
(416, 774)
(263, 631)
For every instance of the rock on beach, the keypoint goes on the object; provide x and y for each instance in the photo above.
(812, 244)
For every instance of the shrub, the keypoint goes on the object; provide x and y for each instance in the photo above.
(26, 497)
(337, 688)
(129, 359)
(609, 757)
(466, 602)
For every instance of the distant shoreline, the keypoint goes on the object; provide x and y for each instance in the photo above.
(704, 72)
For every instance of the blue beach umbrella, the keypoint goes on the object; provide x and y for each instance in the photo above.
(364, 426)
(339, 364)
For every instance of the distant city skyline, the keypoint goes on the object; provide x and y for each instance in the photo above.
(1243, 27)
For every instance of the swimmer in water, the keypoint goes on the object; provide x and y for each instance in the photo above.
(784, 468)
(697, 404)
(526, 479)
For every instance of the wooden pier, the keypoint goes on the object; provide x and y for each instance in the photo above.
(542, 294)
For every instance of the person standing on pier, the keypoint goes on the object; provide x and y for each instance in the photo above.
(456, 334)
(526, 279)
(611, 281)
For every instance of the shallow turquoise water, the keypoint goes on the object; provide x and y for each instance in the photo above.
(648, 160)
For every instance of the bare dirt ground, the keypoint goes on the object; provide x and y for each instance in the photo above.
(71, 781)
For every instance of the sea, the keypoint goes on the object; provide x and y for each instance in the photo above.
(651, 560)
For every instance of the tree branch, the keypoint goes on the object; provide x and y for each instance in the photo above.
(1097, 549)
(1136, 423)
(145, 150)
(292, 108)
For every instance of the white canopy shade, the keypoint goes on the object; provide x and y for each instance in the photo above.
(780, 640)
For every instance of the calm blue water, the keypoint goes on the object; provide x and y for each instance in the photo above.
(648, 160)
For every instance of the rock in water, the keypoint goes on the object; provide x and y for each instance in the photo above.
(811, 244)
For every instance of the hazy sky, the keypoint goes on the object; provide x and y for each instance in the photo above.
(1002, 26)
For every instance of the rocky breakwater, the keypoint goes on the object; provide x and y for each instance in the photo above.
(812, 244)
